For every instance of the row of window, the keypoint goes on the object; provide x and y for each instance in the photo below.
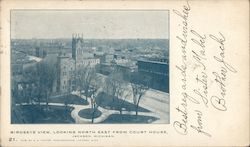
(65, 73)
(85, 62)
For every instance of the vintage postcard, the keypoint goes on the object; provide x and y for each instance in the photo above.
(115, 71)
(124, 73)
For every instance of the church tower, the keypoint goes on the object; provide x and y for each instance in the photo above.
(77, 45)
(82, 52)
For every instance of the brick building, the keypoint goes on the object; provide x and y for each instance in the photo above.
(83, 53)
(157, 72)
(66, 71)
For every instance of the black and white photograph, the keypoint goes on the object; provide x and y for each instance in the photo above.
(110, 73)
(89, 67)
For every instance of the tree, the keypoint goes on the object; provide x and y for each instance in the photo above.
(67, 99)
(85, 76)
(30, 75)
(42, 75)
(139, 84)
(94, 106)
(122, 96)
(113, 85)
(87, 81)
(138, 91)
(46, 77)
(95, 85)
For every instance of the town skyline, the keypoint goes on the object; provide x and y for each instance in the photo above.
(107, 79)
(115, 70)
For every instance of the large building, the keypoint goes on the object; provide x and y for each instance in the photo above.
(66, 71)
(83, 53)
(156, 71)
(40, 52)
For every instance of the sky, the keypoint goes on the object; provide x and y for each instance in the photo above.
(91, 24)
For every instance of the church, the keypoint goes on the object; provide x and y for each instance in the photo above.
(82, 56)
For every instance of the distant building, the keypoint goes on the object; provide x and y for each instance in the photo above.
(119, 56)
(98, 53)
(83, 54)
(104, 68)
(107, 58)
(81, 49)
(68, 63)
(125, 70)
(20, 62)
(159, 59)
(157, 72)
(40, 52)
(66, 71)
(88, 62)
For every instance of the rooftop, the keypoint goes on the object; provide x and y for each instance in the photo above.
(151, 61)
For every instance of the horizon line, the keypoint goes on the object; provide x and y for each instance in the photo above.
(85, 38)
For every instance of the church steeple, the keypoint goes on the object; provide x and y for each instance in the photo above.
(77, 44)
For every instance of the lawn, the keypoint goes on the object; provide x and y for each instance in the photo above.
(125, 118)
(70, 99)
(87, 113)
(107, 102)
(35, 114)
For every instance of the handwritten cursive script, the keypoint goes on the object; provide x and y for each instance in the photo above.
(219, 102)
(199, 126)
(181, 126)
(197, 93)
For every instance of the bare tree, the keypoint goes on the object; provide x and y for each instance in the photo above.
(87, 81)
(67, 99)
(42, 74)
(139, 84)
(47, 76)
(94, 105)
(85, 75)
(113, 85)
(95, 85)
(30, 75)
(122, 96)
(138, 91)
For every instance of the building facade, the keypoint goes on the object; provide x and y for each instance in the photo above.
(66, 71)
(157, 72)
(82, 53)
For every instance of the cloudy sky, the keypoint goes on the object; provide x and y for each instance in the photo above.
(92, 24)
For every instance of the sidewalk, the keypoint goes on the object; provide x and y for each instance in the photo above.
(147, 102)
(80, 120)
(106, 113)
